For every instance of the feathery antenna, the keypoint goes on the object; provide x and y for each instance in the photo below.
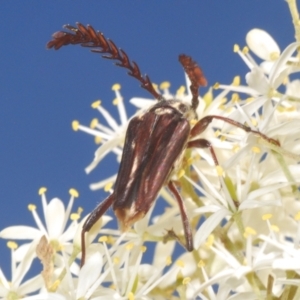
(88, 37)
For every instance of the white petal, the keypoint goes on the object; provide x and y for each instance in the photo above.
(46, 296)
(286, 264)
(257, 80)
(142, 102)
(280, 66)
(31, 285)
(102, 151)
(162, 251)
(293, 88)
(89, 274)
(20, 233)
(21, 251)
(55, 218)
(141, 225)
(289, 127)
(208, 226)
(243, 296)
(262, 44)
(267, 66)
(5, 284)
(101, 184)
(25, 264)
(69, 233)
(94, 231)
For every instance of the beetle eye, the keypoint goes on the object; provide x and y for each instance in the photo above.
(183, 108)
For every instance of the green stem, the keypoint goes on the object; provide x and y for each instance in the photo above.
(295, 17)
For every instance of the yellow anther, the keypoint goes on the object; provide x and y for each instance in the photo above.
(110, 240)
(297, 216)
(74, 217)
(116, 87)
(143, 249)
(79, 210)
(168, 260)
(96, 104)
(216, 85)
(275, 228)
(116, 260)
(164, 85)
(210, 240)
(236, 48)
(190, 161)
(42, 191)
(281, 108)
(12, 245)
(131, 296)
(235, 97)
(255, 149)
(186, 280)
(103, 239)
(268, 217)
(218, 133)
(249, 231)
(228, 110)
(108, 186)
(181, 90)
(224, 100)
(201, 264)
(55, 286)
(129, 246)
(180, 173)
(180, 263)
(98, 140)
(236, 81)
(254, 122)
(285, 80)
(245, 50)
(74, 193)
(236, 148)
(75, 125)
(220, 170)
(197, 157)
(116, 101)
(31, 207)
(94, 123)
(274, 55)
(208, 97)
(249, 99)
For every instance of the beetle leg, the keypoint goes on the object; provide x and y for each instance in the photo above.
(185, 221)
(203, 143)
(95, 215)
(202, 124)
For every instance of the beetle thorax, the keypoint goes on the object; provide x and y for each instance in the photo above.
(168, 106)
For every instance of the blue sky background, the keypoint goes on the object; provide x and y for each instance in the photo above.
(42, 91)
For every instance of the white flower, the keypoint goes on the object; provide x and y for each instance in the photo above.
(112, 136)
(55, 228)
(18, 286)
(241, 192)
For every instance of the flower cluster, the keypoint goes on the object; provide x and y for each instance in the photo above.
(244, 209)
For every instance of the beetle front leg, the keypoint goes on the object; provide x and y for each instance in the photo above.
(202, 124)
(95, 215)
(203, 143)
